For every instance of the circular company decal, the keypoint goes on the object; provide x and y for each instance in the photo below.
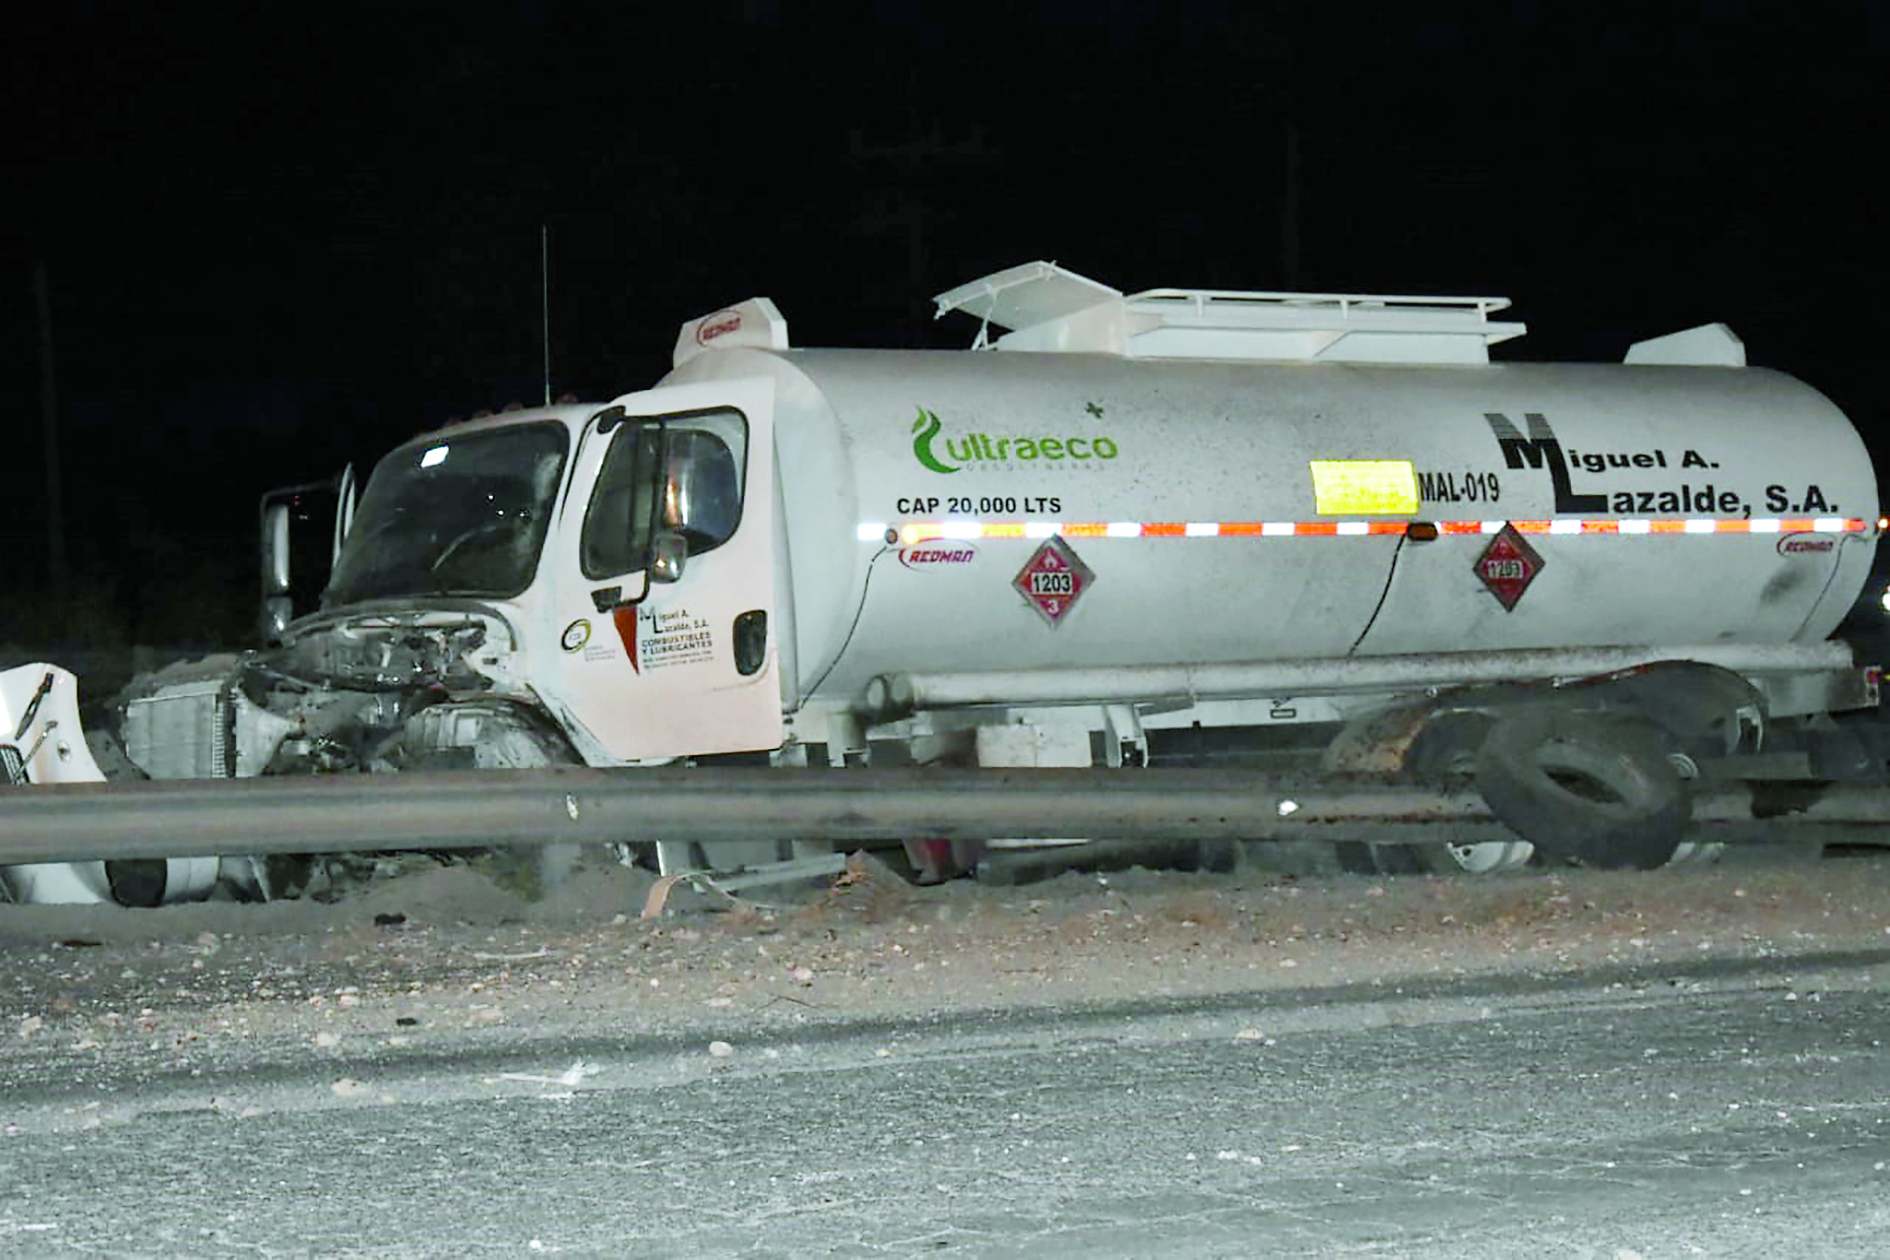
(576, 635)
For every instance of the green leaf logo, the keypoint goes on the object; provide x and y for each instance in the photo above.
(926, 428)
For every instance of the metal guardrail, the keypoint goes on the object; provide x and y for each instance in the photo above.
(460, 809)
(471, 809)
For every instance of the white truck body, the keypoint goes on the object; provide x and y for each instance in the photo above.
(1708, 512)
(1181, 510)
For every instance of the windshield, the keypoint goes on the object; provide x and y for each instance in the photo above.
(459, 515)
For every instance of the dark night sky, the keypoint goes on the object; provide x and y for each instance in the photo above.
(281, 238)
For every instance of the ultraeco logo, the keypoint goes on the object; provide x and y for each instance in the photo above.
(1030, 449)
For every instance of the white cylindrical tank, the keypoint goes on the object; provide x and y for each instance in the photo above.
(1207, 510)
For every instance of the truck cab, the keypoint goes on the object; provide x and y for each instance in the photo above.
(522, 589)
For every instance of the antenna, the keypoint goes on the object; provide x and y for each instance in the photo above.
(544, 276)
(49, 419)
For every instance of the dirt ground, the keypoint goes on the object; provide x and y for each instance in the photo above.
(432, 947)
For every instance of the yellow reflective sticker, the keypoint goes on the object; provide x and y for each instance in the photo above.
(1364, 487)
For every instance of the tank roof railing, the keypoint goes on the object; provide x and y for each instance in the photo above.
(1051, 309)
(1202, 301)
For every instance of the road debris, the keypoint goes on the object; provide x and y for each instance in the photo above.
(573, 1075)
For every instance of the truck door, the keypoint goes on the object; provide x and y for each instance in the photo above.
(303, 528)
(663, 607)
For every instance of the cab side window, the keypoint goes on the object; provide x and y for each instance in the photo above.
(679, 474)
(702, 490)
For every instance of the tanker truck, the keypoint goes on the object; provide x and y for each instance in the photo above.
(1177, 527)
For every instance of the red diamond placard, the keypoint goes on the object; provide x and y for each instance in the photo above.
(1053, 579)
(1508, 565)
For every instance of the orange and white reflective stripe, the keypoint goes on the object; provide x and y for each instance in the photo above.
(1687, 525)
(971, 531)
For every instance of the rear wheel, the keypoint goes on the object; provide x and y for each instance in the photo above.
(1447, 749)
(1475, 857)
(1585, 789)
(1463, 857)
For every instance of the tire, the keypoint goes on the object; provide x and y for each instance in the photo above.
(1447, 749)
(1585, 789)
(138, 882)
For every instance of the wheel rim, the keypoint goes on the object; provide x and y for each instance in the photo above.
(1491, 857)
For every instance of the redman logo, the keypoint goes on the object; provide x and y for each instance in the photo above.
(1806, 545)
(719, 324)
(943, 554)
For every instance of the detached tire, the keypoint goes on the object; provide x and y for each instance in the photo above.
(1585, 789)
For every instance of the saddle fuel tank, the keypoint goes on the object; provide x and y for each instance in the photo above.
(1133, 489)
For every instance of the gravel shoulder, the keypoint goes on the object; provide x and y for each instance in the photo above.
(443, 952)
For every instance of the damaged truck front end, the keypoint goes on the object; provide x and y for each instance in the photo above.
(357, 692)
(415, 657)
(394, 640)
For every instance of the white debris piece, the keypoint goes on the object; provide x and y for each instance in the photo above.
(570, 1076)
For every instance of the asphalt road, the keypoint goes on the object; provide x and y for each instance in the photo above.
(1729, 1108)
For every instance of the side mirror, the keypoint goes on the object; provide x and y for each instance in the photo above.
(345, 494)
(300, 537)
(667, 552)
(275, 549)
(278, 609)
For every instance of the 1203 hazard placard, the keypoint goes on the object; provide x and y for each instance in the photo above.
(1053, 579)
(1507, 566)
